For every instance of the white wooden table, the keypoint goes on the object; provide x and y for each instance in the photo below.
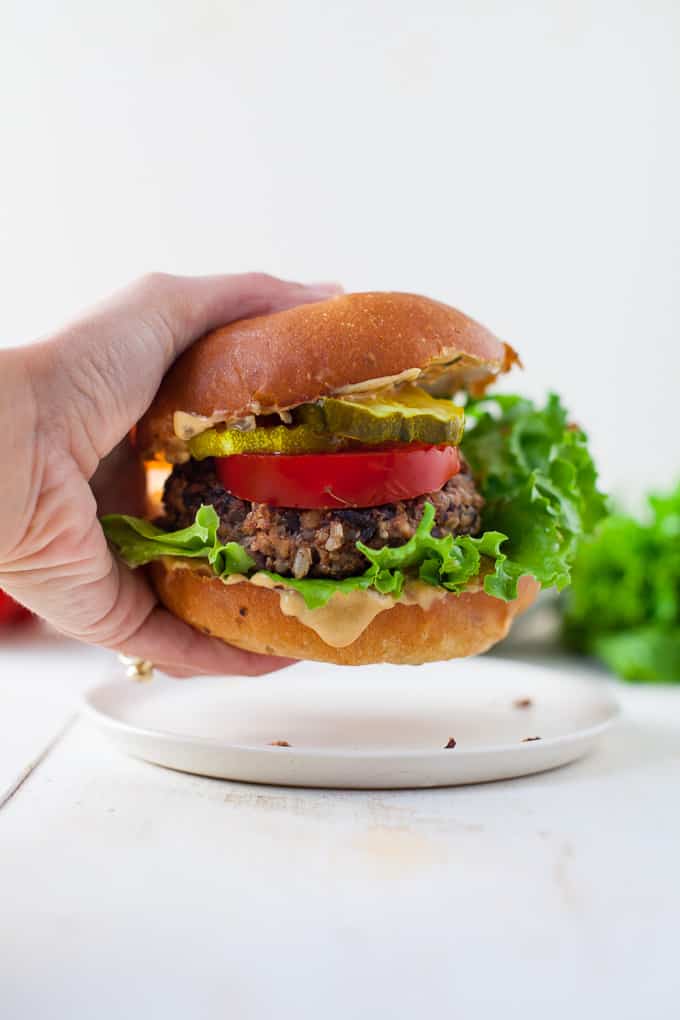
(129, 891)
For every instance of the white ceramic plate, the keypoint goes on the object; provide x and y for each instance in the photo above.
(368, 727)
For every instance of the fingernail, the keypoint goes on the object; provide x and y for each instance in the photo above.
(324, 289)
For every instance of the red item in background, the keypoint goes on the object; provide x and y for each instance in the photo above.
(11, 611)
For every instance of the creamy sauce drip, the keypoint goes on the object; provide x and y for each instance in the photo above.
(381, 383)
(187, 425)
(346, 615)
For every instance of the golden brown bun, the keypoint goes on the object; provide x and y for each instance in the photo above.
(295, 356)
(454, 627)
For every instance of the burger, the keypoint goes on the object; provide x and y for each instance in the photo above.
(341, 487)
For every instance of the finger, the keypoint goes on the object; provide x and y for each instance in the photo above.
(105, 369)
(190, 306)
(178, 649)
(120, 611)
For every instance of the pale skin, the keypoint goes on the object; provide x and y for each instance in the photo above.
(67, 404)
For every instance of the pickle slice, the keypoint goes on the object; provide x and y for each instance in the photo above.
(265, 439)
(410, 415)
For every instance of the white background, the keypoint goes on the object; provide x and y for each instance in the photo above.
(518, 160)
(521, 161)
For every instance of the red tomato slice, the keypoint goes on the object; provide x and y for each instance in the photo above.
(323, 480)
(11, 611)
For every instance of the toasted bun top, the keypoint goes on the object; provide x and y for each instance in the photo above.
(274, 362)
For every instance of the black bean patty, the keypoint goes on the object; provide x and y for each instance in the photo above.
(315, 543)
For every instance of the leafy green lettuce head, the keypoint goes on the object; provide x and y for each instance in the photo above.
(624, 606)
(539, 484)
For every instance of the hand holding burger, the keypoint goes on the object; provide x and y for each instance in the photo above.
(66, 407)
(340, 488)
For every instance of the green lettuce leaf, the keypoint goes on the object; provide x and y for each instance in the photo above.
(138, 542)
(316, 591)
(624, 605)
(538, 481)
(449, 562)
(649, 654)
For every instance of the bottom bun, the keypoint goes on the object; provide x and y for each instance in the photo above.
(250, 617)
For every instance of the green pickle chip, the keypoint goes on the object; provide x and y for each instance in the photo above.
(409, 415)
(264, 439)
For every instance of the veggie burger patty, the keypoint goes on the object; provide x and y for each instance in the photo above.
(315, 543)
